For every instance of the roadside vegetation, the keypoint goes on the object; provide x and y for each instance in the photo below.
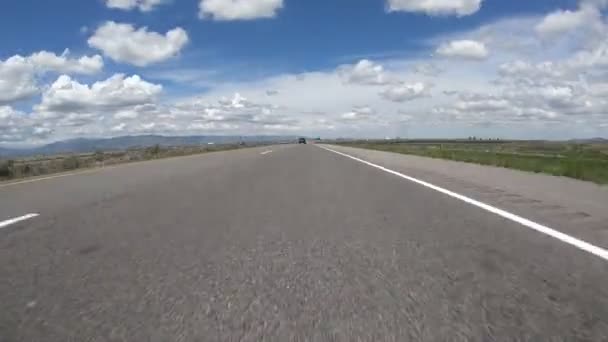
(585, 161)
(44, 165)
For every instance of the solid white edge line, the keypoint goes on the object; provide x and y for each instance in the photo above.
(585, 246)
(7, 223)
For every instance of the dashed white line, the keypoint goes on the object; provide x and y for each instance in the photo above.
(266, 152)
(7, 223)
(585, 246)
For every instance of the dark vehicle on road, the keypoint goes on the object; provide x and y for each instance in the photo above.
(302, 141)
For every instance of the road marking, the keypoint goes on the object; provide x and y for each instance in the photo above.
(585, 246)
(266, 152)
(7, 223)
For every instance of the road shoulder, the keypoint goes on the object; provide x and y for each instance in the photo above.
(574, 207)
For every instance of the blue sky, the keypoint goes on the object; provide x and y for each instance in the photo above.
(322, 67)
(306, 35)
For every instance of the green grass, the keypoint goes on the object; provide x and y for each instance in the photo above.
(584, 162)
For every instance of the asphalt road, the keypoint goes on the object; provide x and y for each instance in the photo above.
(295, 244)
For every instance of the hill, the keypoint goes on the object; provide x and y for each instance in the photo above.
(83, 145)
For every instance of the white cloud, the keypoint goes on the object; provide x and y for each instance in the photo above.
(18, 74)
(405, 92)
(541, 85)
(560, 21)
(49, 61)
(364, 72)
(545, 97)
(119, 127)
(520, 68)
(16, 126)
(589, 61)
(358, 113)
(239, 9)
(16, 80)
(524, 86)
(236, 110)
(563, 21)
(142, 5)
(71, 109)
(436, 7)
(467, 49)
(140, 47)
(66, 95)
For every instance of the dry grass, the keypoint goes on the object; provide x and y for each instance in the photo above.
(38, 166)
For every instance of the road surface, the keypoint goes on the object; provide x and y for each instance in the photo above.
(282, 243)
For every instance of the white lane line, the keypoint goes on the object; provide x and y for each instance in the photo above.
(585, 246)
(266, 152)
(7, 223)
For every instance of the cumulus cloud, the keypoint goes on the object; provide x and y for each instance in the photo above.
(129, 105)
(18, 74)
(142, 5)
(236, 110)
(567, 90)
(67, 95)
(546, 99)
(487, 103)
(49, 61)
(435, 7)
(590, 61)
(140, 47)
(359, 114)
(405, 92)
(16, 80)
(563, 21)
(467, 49)
(70, 109)
(119, 127)
(527, 72)
(591, 64)
(17, 126)
(525, 84)
(499, 109)
(239, 9)
(364, 72)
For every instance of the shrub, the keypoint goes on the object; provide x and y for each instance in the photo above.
(5, 169)
(99, 156)
(27, 169)
(71, 163)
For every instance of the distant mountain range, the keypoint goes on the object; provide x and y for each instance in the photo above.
(121, 143)
(589, 141)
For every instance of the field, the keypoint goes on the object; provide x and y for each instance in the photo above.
(44, 165)
(585, 161)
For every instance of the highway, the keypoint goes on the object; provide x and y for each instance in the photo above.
(296, 242)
